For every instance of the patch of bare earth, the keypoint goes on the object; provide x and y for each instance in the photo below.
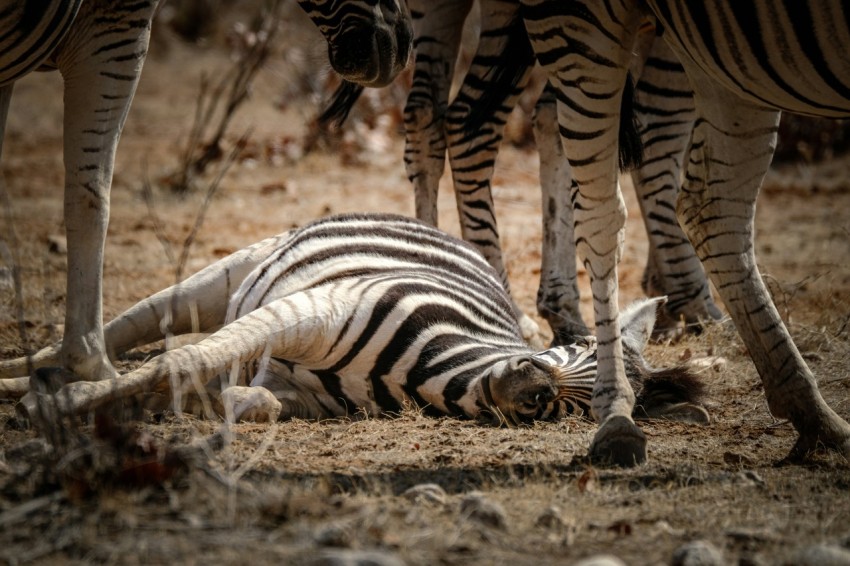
(296, 492)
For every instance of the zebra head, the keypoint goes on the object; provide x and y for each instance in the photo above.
(369, 41)
(518, 389)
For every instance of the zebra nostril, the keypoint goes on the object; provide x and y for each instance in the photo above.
(354, 52)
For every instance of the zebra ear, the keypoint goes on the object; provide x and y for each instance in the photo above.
(637, 321)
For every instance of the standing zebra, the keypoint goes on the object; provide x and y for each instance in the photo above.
(363, 313)
(100, 47)
(745, 62)
(470, 130)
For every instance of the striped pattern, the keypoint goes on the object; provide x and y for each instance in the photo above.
(470, 129)
(421, 316)
(369, 41)
(664, 108)
(30, 32)
(364, 313)
(100, 48)
(745, 62)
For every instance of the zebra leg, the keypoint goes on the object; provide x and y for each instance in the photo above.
(198, 304)
(590, 76)
(100, 61)
(732, 148)
(476, 119)
(299, 328)
(558, 296)
(437, 28)
(475, 122)
(665, 109)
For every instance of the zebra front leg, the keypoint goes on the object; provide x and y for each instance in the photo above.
(298, 328)
(437, 27)
(558, 297)
(664, 107)
(589, 65)
(100, 61)
(732, 148)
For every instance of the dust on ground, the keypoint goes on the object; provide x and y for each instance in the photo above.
(293, 492)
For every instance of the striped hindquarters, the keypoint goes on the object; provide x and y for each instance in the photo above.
(787, 55)
(29, 33)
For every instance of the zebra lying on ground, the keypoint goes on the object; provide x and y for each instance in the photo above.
(99, 47)
(362, 313)
(470, 131)
(745, 61)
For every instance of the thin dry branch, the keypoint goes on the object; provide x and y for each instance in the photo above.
(236, 82)
(9, 251)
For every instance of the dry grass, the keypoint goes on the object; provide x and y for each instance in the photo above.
(290, 491)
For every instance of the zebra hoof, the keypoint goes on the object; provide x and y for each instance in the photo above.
(808, 445)
(252, 404)
(618, 442)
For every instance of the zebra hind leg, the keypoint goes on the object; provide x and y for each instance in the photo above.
(558, 297)
(664, 105)
(289, 327)
(731, 151)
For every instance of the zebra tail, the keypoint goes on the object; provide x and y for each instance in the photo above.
(631, 145)
(336, 110)
(504, 77)
(666, 387)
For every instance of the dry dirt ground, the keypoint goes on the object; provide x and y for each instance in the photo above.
(296, 492)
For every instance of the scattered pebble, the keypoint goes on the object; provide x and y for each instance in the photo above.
(601, 560)
(353, 558)
(717, 363)
(477, 507)
(698, 553)
(821, 555)
(551, 518)
(334, 534)
(57, 244)
(429, 493)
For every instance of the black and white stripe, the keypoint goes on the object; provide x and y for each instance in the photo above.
(366, 313)
(100, 47)
(745, 62)
(470, 130)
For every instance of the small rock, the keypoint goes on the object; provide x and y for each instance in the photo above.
(821, 555)
(736, 459)
(717, 363)
(551, 518)
(698, 553)
(57, 245)
(353, 558)
(334, 534)
(429, 493)
(482, 510)
(600, 560)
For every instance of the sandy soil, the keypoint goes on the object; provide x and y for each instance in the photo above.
(296, 492)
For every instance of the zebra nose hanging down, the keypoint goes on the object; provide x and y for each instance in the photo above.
(360, 313)
(373, 41)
